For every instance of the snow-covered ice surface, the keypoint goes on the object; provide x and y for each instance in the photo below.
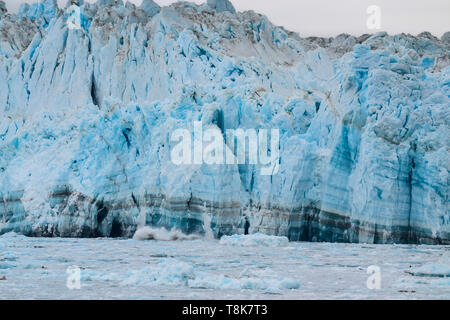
(208, 269)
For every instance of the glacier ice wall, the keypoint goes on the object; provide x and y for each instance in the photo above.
(86, 117)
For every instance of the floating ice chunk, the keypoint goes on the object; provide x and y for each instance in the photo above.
(269, 285)
(172, 272)
(92, 275)
(289, 283)
(441, 282)
(168, 272)
(214, 282)
(272, 285)
(12, 234)
(4, 265)
(32, 266)
(162, 234)
(432, 270)
(254, 240)
(8, 256)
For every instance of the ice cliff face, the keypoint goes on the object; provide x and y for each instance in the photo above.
(86, 117)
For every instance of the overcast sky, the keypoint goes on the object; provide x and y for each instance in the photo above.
(331, 17)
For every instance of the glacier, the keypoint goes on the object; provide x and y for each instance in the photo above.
(86, 117)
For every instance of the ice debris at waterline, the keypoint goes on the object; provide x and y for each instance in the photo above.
(129, 269)
(254, 240)
(171, 272)
(162, 234)
(87, 112)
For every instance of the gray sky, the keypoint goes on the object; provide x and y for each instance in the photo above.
(331, 17)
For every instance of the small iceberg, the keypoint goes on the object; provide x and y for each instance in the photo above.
(254, 240)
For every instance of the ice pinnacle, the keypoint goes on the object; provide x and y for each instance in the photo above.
(150, 7)
(222, 5)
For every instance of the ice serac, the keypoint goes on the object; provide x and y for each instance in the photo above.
(150, 7)
(221, 5)
(87, 115)
(446, 37)
(3, 9)
(42, 12)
